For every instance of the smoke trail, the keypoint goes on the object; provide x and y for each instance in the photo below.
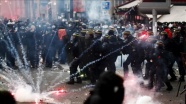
(26, 73)
(50, 45)
(14, 53)
(25, 60)
(40, 68)
(14, 79)
(23, 52)
(62, 50)
(90, 63)
(40, 75)
(85, 51)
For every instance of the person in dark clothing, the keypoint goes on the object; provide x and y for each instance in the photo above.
(109, 44)
(88, 55)
(149, 50)
(106, 49)
(161, 60)
(108, 90)
(140, 46)
(97, 70)
(32, 47)
(2, 49)
(7, 98)
(49, 47)
(166, 41)
(130, 49)
(73, 45)
(11, 41)
(177, 49)
(61, 45)
(168, 46)
(85, 54)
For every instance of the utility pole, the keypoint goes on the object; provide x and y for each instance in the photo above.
(154, 28)
(155, 7)
(71, 8)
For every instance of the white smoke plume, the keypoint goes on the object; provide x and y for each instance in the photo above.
(135, 94)
(25, 94)
(95, 12)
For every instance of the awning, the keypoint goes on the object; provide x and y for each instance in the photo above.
(177, 14)
(151, 16)
(131, 4)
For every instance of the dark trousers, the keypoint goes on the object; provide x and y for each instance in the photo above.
(61, 53)
(33, 57)
(2, 56)
(109, 63)
(48, 56)
(137, 67)
(135, 64)
(149, 65)
(73, 69)
(10, 59)
(161, 71)
(128, 61)
(181, 69)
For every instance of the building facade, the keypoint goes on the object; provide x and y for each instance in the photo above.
(12, 9)
(51, 8)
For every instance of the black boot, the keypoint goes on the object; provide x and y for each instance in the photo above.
(79, 81)
(151, 83)
(169, 86)
(149, 86)
(181, 79)
(173, 78)
(71, 82)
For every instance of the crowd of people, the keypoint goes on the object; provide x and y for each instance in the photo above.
(92, 49)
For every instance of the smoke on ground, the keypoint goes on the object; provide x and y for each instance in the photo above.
(135, 94)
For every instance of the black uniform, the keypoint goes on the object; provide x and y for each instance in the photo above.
(3, 49)
(33, 48)
(130, 49)
(75, 62)
(177, 49)
(49, 48)
(11, 52)
(110, 45)
(149, 48)
(161, 60)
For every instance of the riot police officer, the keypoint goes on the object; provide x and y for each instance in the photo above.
(161, 61)
(73, 45)
(130, 49)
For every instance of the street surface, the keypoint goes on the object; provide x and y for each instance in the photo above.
(77, 93)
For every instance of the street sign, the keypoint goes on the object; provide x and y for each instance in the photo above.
(105, 5)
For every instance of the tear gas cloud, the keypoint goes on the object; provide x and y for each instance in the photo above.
(135, 94)
(95, 12)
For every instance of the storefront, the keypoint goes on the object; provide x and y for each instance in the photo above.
(129, 12)
(177, 14)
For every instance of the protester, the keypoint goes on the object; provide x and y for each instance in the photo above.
(6, 97)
